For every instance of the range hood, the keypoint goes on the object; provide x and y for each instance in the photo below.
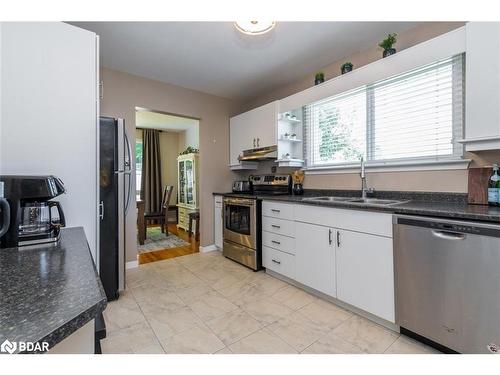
(261, 153)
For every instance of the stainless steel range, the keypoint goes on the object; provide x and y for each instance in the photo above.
(242, 216)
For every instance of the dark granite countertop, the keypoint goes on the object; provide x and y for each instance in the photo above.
(446, 205)
(49, 292)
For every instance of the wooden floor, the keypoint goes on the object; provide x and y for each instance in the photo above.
(154, 256)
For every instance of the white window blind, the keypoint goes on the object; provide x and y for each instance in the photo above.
(412, 116)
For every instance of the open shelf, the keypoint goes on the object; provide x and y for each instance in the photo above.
(290, 162)
(290, 140)
(292, 121)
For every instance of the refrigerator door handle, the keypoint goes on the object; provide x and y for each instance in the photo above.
(101, 210)
(128, 171)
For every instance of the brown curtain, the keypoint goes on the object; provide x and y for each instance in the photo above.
(151, 189)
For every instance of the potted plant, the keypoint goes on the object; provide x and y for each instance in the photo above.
(319, 78)
(346, 67)
(387, 44)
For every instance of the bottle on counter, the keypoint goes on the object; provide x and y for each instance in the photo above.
(494, 187)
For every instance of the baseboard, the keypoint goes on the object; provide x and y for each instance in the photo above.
(132, 264)
(206, 249)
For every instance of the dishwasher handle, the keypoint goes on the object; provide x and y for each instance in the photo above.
(448, 235)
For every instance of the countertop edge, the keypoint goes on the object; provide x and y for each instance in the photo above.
(80, 316)
(71, 326)
(400, 209)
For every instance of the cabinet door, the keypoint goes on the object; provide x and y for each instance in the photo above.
(315, 257)
(365, 277)
(483, 83)
(182, 182)
(240, 137)
(189, 173)
(218, 224)
(263, 122)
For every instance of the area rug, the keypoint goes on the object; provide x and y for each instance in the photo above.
(156, 240)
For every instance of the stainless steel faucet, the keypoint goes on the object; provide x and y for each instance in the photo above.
(363, 178)
(364, 189)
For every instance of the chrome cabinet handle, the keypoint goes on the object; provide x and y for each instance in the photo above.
(275, 226)
(338, 238)
(276, 242)
(329, 236)
(276, 261)
(254, 143)
(258, 141)
(275, 210)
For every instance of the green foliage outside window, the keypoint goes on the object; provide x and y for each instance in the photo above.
(337, 140)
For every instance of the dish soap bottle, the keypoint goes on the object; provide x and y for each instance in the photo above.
(494, 188)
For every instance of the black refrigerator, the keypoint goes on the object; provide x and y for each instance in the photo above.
(115, 195)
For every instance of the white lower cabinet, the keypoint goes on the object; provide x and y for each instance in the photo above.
(278, 261)
(315, 257)
(345, 254)
(364, 268)
(218, 225)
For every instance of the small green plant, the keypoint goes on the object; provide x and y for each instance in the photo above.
(347, 65)
(388, 42)
(190, 150)
(319, 75)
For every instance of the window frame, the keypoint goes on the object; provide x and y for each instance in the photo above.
(138, 171)
(456, 160)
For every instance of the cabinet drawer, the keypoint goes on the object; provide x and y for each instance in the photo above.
(279, 262)
(377, 223)
(277, 210)
(279, 242)
(278, 226)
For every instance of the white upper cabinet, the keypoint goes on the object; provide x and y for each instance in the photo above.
(482, 127)
(263, 122)
(252, 129)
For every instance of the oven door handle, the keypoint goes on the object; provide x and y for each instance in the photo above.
(239, 203)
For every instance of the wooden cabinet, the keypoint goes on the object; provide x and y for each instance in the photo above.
(364, 269)
(218, 222)
(187, 191)
(482, 80)
(252, 129)
(315, 257)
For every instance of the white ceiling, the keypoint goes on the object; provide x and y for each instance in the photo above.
(215, 58)
(160, 121)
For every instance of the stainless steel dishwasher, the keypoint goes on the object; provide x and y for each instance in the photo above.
(447, 281)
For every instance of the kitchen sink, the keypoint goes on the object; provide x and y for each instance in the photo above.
(329, 199)
(374, 201)
(383, 202)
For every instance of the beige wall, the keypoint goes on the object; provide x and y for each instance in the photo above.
(189, 137)
(123, 92)
(443, 180)
(406, 39)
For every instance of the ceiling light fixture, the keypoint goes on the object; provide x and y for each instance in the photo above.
(254, 27)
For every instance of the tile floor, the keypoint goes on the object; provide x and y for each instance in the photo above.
(205, 303)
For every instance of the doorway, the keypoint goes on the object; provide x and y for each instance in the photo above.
(167, 190)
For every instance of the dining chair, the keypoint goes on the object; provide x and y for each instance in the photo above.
(161, 216)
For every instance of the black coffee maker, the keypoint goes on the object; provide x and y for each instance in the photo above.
(32, 221)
